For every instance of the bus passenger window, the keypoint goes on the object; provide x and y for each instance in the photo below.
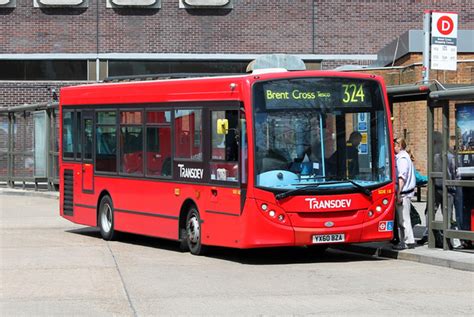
(188, 134)
(131, 142)
(78, 133)
(87, 139)
(106, 142)
(131, 153)
(68, 135)
(225, 146)
(158, 143)
(158, 151)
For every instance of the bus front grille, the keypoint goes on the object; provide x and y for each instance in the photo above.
(68, 198)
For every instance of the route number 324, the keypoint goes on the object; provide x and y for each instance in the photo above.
(353, 93)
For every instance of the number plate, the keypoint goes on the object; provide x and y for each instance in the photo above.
(329, 238)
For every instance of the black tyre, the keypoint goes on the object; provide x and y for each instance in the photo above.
(193, 232)
(183, 240)
(106, 218)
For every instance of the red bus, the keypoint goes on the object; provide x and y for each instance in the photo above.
(278, 158)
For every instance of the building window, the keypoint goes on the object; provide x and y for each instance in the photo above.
(43, 70)
(142, 4)
(60, 3)
(205, 4)
(131, 68)
(7, 3)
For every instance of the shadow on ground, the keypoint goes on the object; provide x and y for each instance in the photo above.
(258, 256)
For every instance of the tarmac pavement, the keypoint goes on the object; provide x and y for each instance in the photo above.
(52, 267)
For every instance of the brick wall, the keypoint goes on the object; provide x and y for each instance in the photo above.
(263, 26)
(366, 26)
(14, 93)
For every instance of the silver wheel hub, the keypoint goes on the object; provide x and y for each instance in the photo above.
(193, 230)
(106, 218)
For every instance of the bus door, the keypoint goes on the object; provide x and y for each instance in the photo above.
(87, 159)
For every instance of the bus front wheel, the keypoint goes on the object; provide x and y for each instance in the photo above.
(193, 232)
(106, 218)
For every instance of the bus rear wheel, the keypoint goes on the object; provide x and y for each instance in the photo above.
(193, 232)
(106, 218)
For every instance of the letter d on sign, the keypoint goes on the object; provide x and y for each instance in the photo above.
(445, 25)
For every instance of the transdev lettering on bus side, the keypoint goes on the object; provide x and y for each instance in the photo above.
(186, 172)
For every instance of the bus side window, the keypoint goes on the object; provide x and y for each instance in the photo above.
(188, 134)
(225, 146)
(68, 134)
(131, 141)
(158, 143)
(106, 142)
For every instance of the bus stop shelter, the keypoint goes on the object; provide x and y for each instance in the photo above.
(29, 145)
(438, 97)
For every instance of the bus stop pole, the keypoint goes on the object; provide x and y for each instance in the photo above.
(10, 150)
(430, 194)
(426, 46)
(445, 161)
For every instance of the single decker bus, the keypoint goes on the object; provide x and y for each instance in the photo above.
(271, 158)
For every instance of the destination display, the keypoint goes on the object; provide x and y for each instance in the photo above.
(318, 93)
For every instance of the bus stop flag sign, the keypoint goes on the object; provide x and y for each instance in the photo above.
(444, 33)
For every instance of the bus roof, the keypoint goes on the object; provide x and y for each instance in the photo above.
(183, 90)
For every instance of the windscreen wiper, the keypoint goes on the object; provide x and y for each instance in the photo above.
(363, 189)
(296, 190)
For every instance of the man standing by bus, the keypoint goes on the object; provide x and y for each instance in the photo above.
(406, 182)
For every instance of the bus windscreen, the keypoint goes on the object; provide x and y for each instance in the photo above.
(318, 130)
